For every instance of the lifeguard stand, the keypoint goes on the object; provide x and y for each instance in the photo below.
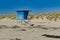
(22, 15)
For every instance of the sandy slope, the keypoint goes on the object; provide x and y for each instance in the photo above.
(46, 22)
(29, 34)
(9, 22)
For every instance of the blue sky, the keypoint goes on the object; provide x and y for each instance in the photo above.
(36, 6)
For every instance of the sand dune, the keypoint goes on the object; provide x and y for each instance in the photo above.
(45, 27)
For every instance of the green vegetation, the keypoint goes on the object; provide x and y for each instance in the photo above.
(12, 16)
(50, 16)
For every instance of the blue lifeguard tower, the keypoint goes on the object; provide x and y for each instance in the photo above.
(22, 14)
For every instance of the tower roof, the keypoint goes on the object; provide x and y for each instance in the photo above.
(23, 11)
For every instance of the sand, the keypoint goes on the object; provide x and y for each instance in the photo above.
(30, 33)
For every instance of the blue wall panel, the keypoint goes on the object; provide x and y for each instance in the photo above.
(20, 15)
(26, 15)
